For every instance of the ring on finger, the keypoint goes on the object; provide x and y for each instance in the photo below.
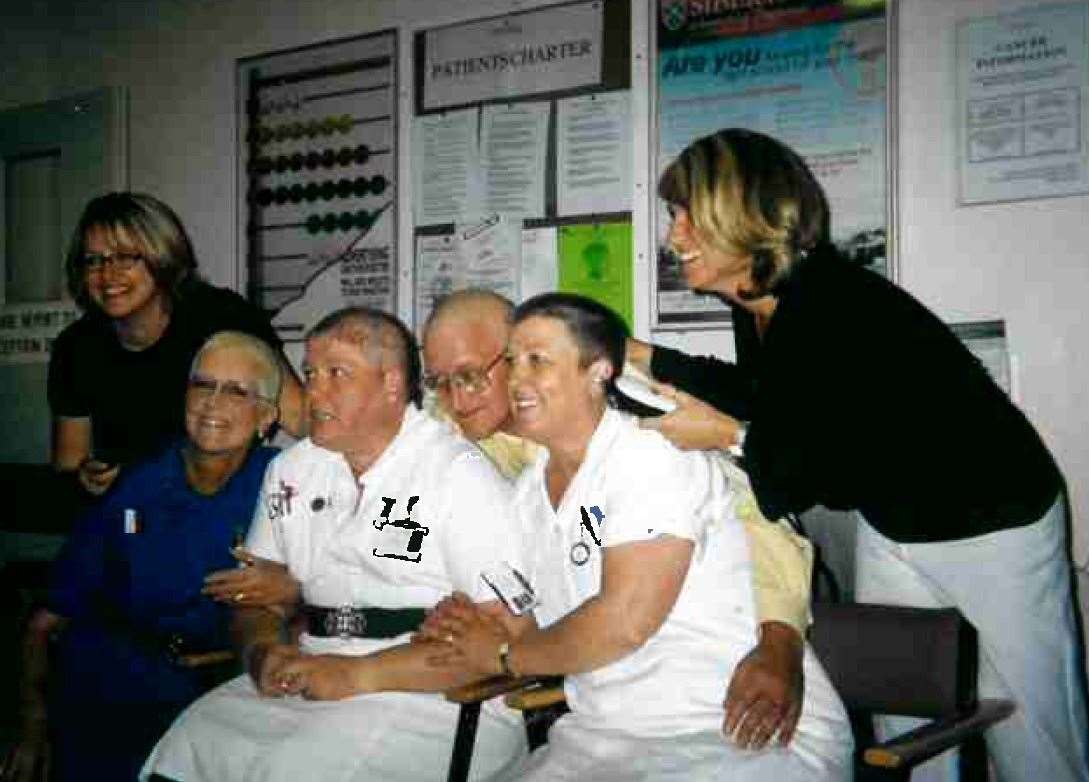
(239, 597)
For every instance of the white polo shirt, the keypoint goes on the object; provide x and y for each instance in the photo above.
(634, 486)
(426, 519)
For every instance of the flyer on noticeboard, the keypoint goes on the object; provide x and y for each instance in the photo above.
(811, 74)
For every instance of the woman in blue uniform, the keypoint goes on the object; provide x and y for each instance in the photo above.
(125, 596)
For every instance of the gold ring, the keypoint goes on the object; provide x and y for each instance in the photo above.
(449, 638)
(239, 597)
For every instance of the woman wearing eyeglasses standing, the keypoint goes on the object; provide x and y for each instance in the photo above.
(125, 600)
(117, 374)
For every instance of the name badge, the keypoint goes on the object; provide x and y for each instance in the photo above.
(511, 587)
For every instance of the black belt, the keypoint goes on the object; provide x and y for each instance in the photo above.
(350, 622)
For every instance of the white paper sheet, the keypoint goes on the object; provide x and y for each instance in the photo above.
(594, 154)
(513, 143)
(438, 259)
(540, 262)
(491, 255)
(445, 166)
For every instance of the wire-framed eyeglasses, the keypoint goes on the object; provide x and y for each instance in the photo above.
(203, 388)
(471, 381)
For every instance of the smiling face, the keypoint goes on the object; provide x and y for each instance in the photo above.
(705, 266)
(555, 400)
(119, 293)
(350, 398)
(460, 355)
(223, 413)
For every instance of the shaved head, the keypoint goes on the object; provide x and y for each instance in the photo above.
(473, 305)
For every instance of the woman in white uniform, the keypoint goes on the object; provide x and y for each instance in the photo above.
(642, 576)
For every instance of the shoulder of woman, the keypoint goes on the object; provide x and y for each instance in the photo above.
(646, 454)
(197, 293)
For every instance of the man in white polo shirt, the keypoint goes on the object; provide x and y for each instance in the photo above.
(378, 514)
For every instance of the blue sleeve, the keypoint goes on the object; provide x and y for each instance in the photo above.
(77, 577)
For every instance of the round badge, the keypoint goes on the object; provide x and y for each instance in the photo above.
(580, 553)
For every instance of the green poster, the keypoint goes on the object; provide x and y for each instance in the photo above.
(596, 261)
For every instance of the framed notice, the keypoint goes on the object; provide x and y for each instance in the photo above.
(317, 163)
(1022, 88)
(813, 75)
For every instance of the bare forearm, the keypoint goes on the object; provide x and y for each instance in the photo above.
(35, 661)
(638, 354)
(405, 668)
(252, 627)
(292, 403)
(596, 634)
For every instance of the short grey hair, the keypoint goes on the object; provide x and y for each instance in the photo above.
(383, 339)
(270, 376)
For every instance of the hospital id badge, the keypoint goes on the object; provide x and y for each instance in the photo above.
(511, 587)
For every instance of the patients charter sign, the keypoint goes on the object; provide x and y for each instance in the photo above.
(513, 56)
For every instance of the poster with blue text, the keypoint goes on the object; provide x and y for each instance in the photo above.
(811, 74)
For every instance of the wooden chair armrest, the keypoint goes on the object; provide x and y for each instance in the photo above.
(483, 689)
(201, 659)
(537, 696)
(923, 743)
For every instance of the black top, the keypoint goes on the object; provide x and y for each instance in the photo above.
(136, 399)
(860, 398)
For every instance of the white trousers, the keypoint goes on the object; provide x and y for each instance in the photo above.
(233, 734)
(1014, 587)
(578, 752)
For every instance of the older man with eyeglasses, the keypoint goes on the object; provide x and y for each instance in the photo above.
(464, 343)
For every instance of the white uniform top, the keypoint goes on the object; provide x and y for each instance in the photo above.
(634, 486)
(358, 542)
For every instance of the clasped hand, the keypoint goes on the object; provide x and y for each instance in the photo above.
(466, 635)
(281, 669)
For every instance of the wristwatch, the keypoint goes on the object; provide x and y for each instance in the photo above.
(738, 447)
(504, 659)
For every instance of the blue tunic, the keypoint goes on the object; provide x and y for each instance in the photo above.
(130, 575)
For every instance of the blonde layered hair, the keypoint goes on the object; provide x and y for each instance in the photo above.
(749, 196)
(139, 221)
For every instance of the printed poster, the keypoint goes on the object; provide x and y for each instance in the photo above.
(812, 75)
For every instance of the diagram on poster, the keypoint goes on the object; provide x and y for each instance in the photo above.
(317, 163)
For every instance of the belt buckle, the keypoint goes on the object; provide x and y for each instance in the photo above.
(344, 622)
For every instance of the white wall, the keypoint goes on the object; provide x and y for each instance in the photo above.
(1027, 263)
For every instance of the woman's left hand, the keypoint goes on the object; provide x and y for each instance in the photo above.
(471, 638)
(260, 582)
(694, 424)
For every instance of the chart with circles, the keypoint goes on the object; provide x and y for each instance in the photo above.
(317, 166)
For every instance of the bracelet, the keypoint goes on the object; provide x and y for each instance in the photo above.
(504, 659)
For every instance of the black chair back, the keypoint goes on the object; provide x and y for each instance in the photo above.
(918, 662)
